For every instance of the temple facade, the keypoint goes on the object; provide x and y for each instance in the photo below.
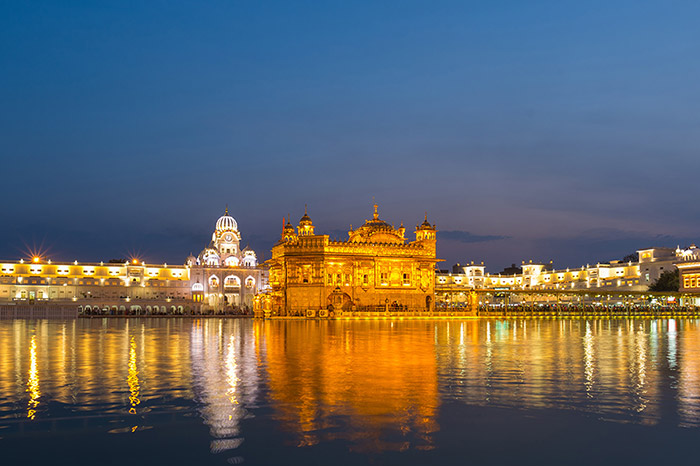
(223, 276)
(375, 269)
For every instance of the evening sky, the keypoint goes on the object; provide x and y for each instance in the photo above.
(544, 130)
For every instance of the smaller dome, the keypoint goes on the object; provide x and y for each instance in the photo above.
(226, 223)
(426, 224)
(305, 220)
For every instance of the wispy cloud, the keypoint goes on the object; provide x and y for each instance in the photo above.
(467, 237)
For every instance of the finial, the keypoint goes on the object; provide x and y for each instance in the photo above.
(226, 212)
(426, 215)
(376, 214)
(305, 210)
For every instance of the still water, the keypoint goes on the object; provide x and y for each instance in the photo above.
(231, 391)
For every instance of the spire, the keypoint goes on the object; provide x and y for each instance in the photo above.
(305, 210)
(226, 212)
(376, 214)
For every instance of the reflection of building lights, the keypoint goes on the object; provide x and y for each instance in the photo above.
(231, 368)
(133, 378)
(588, 360)
(33, 381)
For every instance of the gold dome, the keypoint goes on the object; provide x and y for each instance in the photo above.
(376, 231)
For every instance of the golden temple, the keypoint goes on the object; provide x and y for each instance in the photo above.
(375, 269)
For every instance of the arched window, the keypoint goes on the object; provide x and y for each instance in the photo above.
(213, 281)
(231, 261)
(249, 261)
(197, 287)
(249, 282)
(232, 281)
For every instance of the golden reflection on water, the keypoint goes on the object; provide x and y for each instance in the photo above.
(375, 385)
(354, 381)
(33, 381)
(588, 359)
(133, 378)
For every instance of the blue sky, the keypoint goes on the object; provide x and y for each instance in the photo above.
(544, 130)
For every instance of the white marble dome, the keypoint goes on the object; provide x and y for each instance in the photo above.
(226, 223)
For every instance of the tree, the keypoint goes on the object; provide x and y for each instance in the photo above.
(630, 258)
(668, 281)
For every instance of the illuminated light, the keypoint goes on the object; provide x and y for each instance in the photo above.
(33, 381)
(231, 369)
(35, 259)
(134, 261)
(133, 378)
(75, 262)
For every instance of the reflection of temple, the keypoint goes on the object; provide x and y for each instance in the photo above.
(224, 377)
(374, 269)
(325, 374)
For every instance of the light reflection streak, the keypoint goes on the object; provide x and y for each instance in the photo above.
(489, 361)
(672, 344)
(133, 378)
(588, 360)
(641, 371)
(33, 381)
(231, 370)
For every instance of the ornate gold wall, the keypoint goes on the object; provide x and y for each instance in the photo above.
(376, 269)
